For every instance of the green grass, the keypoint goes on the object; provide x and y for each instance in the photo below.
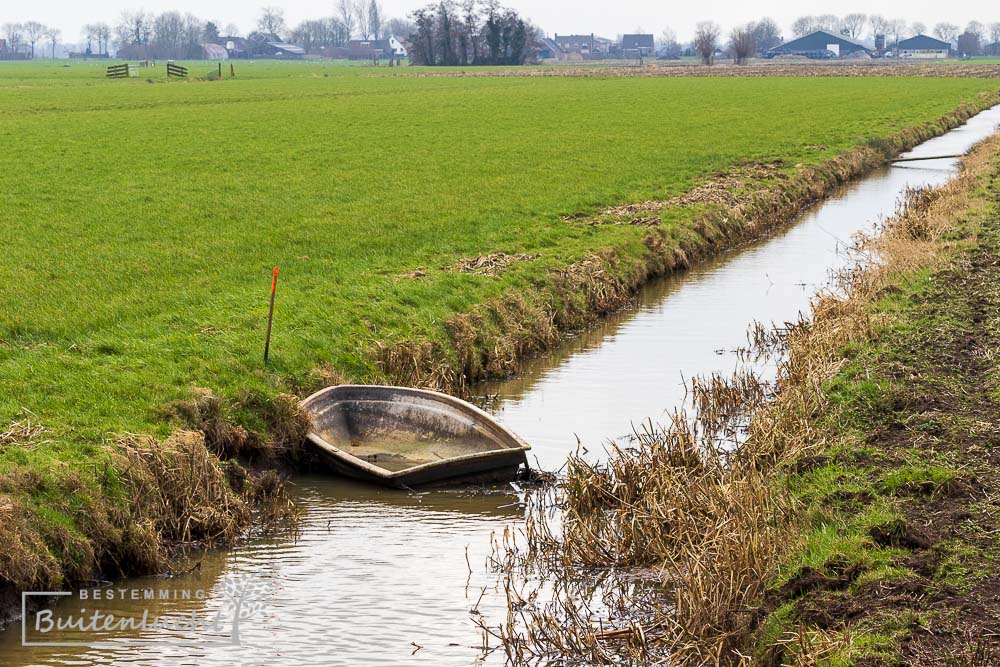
(142, 217)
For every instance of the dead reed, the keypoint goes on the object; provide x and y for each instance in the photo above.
(22, 433)
(179, 495)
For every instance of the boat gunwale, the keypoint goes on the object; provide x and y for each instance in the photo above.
(463, 406)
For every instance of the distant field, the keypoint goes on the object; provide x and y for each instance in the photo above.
(141, 219)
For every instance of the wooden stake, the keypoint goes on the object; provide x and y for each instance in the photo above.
(270, 314)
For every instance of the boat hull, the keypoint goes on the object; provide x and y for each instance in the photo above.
(402, 437)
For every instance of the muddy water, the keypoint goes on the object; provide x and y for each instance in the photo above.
(384, 578)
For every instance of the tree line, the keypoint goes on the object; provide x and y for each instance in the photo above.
(457, 32)
(470, 33)
(29, 34)
(171, 34)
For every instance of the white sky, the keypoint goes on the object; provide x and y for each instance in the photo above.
(607, 18)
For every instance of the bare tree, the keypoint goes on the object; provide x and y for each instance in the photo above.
(855, 24)
(742, 43)
(878, 23)
(53, 35)
(362, 20)
(193, 36)
(271, 21)
(669, 46)
(918, 28)
(946, 32)
(766, 35)
(978, 29)
(232, 30)
(803, 25)
(168, 35)
(401, 28)
(135, 28)
(13, 33)
(102, 32)
(706, 40)
(89, 34)
(829, 23)
(895, 28)
(33, 31)
(375, 19)
(345, 12)
(995, 39)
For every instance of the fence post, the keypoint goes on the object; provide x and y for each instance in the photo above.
(270, 315)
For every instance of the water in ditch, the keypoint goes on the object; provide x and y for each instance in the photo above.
(380, 577)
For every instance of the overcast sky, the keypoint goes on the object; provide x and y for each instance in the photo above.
(607, 18)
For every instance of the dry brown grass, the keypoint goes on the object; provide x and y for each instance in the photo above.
(179, 495)
(286, 423)
(24, 559)
(708, 516)
(492, 264)
(22, 433)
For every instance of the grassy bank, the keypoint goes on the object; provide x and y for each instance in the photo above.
(899, 562)
(146, 217)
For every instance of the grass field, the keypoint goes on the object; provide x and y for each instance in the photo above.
(142, 217)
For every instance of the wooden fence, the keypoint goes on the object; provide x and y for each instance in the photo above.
(176, 70)
(118, 72)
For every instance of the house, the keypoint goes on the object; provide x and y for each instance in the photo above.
(819, 45)
(992, 49)
(644, 44)
(397, 46)
(580, 44)
(370, 49)
(587, 47)
(922, 47)
(547, 49)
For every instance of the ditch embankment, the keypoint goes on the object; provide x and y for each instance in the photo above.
(735, 208)
(148, 504)
(846, 514)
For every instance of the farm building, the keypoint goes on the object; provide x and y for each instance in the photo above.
(820, 44)
(283, 51)
(992, 49)
(214, 52)
(644, 44)
(922, 47)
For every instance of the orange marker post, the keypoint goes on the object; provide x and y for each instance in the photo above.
(270, 314)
